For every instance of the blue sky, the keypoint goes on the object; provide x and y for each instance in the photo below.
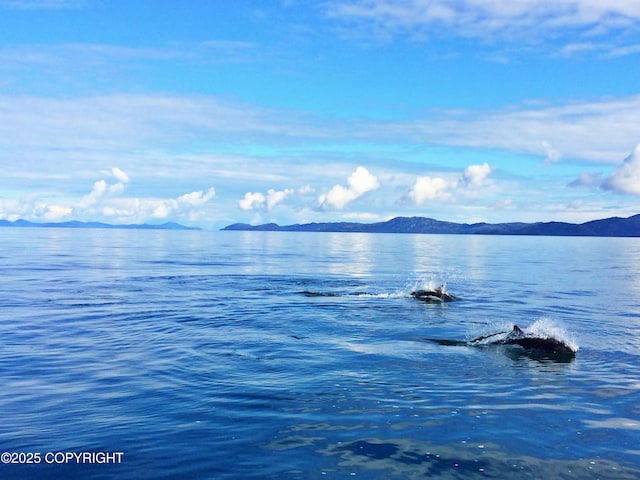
(210, 113)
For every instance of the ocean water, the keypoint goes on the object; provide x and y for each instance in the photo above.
(253, 355)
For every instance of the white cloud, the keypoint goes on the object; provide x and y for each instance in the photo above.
(105, 203)
(251, 201)
(120, 175)
(587, 179)
(597, 130)
(553, 155)
(53, 213)
(430, 188)
(148, 136)
(259, 201)
(195, 199)
(528, 21)
(625, 50)
(502, 204)
(101, 189)
(58, 128)
(437, 188)
(139, 210)
(475, 175)
(33, 209)
(360, 182)
(275, 197)
(121, 122)
(626, 178)
(41, 4)
(306, 189)
(98, 190)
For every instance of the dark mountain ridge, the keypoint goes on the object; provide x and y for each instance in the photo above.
(608, 227)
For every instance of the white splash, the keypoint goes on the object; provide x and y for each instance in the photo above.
(548, 328)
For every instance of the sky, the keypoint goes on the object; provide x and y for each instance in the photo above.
(208, 113)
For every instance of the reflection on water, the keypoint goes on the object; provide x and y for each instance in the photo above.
(274, 355)
(414, 459)
(352, 257)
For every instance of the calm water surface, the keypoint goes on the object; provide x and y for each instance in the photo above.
(240, 355)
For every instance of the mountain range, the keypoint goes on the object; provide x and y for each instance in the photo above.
(608, 227)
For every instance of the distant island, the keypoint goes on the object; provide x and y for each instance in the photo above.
(608, 227)
(77, 224)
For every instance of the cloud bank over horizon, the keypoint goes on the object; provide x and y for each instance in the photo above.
(106, 202)
(465, 111)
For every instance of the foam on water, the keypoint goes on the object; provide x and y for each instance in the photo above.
(549, 328)
(430, 283)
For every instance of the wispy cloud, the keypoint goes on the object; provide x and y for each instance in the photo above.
(41, 4)
(181, 142)
(586, 179)
(530, 22)
(598, 130)
(57, 68)
(120, 121)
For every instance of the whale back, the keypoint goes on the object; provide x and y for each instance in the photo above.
(533, 342)
(437, 295)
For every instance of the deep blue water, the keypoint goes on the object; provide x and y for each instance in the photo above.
(241, 355)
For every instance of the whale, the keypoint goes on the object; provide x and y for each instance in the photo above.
(437, 295)
(529, 342)
(532, 342)
(538, 347)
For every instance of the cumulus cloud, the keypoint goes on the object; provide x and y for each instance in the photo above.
(358, 183)
(34, 209)
(430, 188)
(195, 199)
(251, 201)
(259, 201)
(438, 188)
(98, 190)
(101, 188)
(625, 178)
(275, 197)
(105, 202)
(142, 209)
(475, 175)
